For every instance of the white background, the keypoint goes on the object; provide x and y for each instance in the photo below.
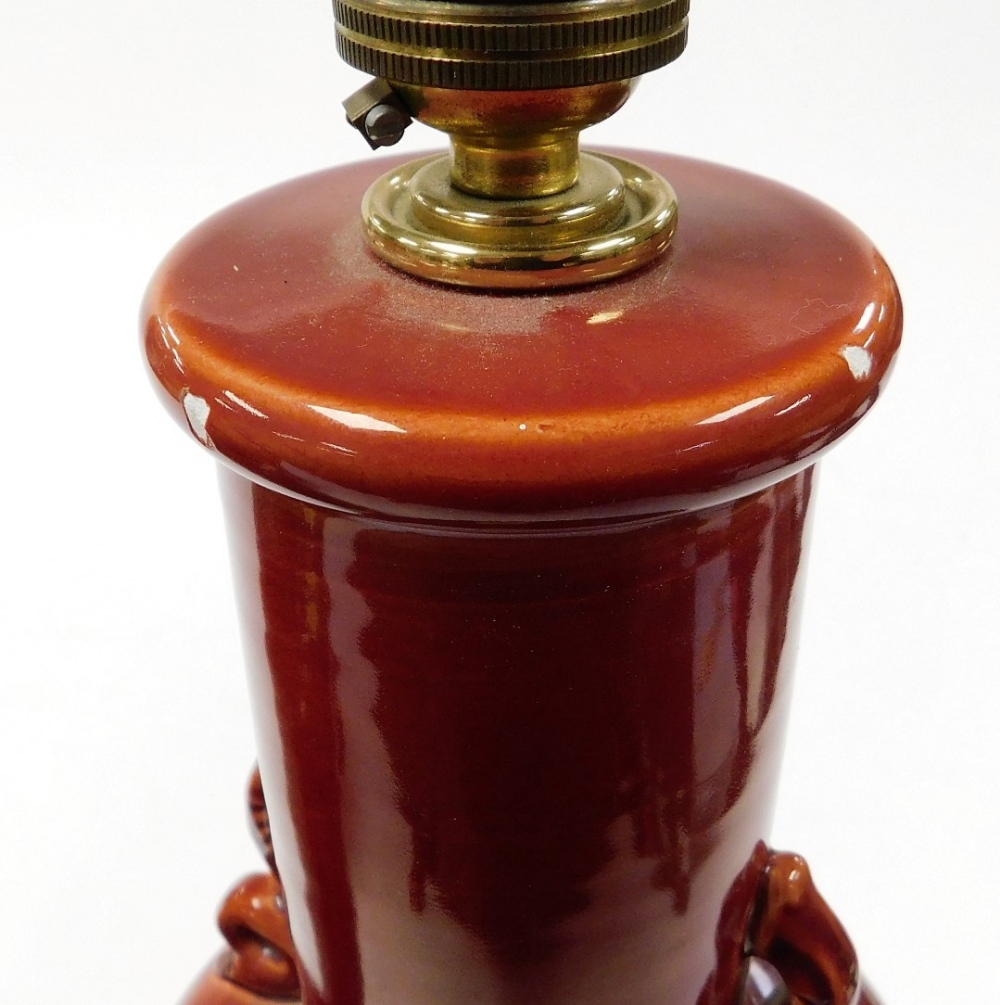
(124, 729)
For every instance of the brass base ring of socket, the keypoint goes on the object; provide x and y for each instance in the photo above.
(616, 218)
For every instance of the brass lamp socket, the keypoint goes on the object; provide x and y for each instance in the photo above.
(513, 85)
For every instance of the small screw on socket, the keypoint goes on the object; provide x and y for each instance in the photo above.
(377, 113)
(384, 125)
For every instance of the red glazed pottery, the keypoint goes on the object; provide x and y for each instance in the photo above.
(519, 576)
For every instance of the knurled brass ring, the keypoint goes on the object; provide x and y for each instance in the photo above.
(482, 46)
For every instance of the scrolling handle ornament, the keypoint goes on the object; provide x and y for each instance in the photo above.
(777, 940)
(795, 932)
(779, 933)
(254, 921)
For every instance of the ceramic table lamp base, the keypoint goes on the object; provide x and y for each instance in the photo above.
(517, 468)
(519, 577)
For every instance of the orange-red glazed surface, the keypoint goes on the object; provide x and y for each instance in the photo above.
(762, 336)
(519, 578)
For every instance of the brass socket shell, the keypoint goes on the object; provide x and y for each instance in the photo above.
(485, 46)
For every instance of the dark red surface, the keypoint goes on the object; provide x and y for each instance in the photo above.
(328, 373)
(520, 620)
(515, 769)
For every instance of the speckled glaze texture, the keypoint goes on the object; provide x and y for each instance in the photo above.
(519, 579)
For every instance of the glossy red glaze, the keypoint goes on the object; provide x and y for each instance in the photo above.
(519, 577)
(254, 921)
(511, 767)
(762, 337)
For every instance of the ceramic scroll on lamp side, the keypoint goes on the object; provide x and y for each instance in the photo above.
(519, 574)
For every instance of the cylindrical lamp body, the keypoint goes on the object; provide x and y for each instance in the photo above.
(507, 768)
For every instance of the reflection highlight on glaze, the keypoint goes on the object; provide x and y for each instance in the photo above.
(245, 405)
(357, 420)
(865, 320)
(492, 751)
(171, 341)
(793, 405)
(731, 413)
(339, 448)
